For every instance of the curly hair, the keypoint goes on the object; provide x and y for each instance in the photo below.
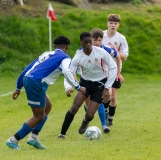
(61, 40)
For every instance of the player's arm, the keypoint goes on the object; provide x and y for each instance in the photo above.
(112, 70)
(16, 93)
(118, 62)
(68, 88)
(69, 75)
(116, 55)
(123, 57)
(119, 76)
(124, 49)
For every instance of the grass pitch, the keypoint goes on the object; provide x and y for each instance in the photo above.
(135, 134)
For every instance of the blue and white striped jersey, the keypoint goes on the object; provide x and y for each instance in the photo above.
(47, 68)
(109, 50)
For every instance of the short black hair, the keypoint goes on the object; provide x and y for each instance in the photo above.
(61, 40)
(84, 35)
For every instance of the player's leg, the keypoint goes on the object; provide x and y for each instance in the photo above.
(92, 108)
(102, 116)
(106, 105)
(95, 89)
(39, 119)
(26, 128)
(78, 101)
(37, 102)
(86, 104)
(38, 128)
(41, 97)
(112, 106)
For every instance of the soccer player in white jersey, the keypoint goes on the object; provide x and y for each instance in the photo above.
(36, 78)
(97, 37)
(118, 41)
(92, 62)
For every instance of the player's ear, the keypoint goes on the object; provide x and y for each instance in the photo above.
(80, 42)
(66, 48)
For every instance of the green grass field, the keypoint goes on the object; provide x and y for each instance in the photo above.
(135, 134)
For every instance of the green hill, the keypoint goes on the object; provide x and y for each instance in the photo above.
(24, 32)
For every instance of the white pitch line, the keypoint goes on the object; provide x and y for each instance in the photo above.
(6, 94)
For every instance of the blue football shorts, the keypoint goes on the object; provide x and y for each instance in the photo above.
(35, 92)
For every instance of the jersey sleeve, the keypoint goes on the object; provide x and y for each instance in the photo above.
(124, 49)
(112, 70)
(67, 86)
(20, 78)
(68, 74)
(111, 51)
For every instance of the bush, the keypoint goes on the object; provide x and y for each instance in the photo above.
(22, 40)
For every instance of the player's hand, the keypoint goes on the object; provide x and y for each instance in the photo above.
(112, 45)
(69, 91)
(120, 77)
(15, 94)
(82, 90)
(106, 95)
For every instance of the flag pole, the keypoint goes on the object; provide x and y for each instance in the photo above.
(50, 36)
(50, 16)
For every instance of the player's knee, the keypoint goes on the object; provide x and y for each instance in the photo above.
(89, 115)
(74, 109)
(48, 109)
(39, 118)
(88, 118)
(113, 99)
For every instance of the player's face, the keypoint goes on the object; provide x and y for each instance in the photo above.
(87, 44)
(97, 41)
(112, 26)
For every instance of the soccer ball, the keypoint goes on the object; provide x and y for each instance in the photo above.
(93, 133)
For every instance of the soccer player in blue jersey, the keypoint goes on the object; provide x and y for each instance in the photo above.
(97, 37)
(36, 78)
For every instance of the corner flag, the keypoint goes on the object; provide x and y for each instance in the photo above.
(50, 16)
(50, 13)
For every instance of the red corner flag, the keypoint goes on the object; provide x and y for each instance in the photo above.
(50, 13)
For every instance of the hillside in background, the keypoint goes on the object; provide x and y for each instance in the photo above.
(24, 32)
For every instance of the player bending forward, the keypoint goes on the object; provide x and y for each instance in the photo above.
(36, 77)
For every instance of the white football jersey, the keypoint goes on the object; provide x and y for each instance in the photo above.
(119, 41)
(93, 67)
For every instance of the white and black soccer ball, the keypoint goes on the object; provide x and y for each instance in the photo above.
(93, 133)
